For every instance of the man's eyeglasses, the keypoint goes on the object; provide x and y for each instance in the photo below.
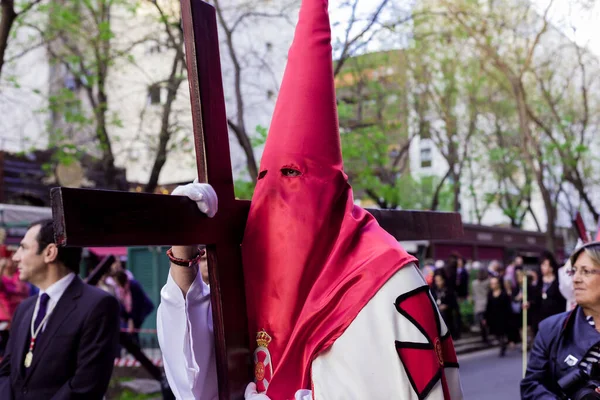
(582, 271)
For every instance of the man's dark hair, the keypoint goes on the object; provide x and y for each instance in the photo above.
(69, 256)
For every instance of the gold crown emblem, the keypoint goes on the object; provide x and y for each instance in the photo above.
(263, 339)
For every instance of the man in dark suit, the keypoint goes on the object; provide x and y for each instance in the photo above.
(64, 340)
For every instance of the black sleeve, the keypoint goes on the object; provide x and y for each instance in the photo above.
(534, 295)
(96, 354)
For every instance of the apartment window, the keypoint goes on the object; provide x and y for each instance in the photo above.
(425, 157)
(154, 94)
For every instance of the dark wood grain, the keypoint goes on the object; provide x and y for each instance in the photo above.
(135, 219)
(419, 225)
(85, 217)
(213, 160)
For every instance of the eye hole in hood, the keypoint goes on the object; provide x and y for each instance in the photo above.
(262, 174)
(290, 172)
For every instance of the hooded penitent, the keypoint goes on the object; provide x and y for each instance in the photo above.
(312, 259)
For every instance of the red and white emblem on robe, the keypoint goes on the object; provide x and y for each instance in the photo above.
(263, 367)
(425, 363)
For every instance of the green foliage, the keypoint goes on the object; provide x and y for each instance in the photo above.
(367, 162)
(80, 35)
(244, 189)
(260, 136)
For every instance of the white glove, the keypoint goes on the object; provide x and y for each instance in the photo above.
(303, 394)
(203, 194)
(252, 394)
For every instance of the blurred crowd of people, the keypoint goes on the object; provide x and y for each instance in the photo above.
(495, 293)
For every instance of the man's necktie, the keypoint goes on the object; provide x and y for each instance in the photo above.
(41, 311)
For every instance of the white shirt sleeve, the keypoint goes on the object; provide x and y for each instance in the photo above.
(363, 364)
(185, 336)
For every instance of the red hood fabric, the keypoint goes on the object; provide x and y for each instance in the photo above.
(312, 259)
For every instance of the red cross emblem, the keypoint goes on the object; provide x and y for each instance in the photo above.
(425, 362)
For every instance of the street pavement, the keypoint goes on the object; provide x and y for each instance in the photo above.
(485, 376)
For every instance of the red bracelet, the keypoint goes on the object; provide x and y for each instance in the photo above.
(184, 263)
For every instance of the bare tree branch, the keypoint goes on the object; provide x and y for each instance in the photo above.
(349, 42)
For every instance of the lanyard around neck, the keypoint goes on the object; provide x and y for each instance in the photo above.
(36, 332)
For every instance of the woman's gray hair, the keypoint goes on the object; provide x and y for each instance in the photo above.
(592, 249)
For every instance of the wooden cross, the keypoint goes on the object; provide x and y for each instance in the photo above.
(107, 218)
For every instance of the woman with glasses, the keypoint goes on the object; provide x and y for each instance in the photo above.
(568, 343)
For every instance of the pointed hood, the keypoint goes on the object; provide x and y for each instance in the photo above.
(305, 121)
(312, 259)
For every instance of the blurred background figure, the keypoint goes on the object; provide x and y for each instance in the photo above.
(511, 270)
(445, 299)
(428, 271)
(107, 283)
(439, 264)
(533, 299)
(494, 268)
(135, 303)
(457, 281)
(12, 292)
(462, 279)
(480, 289)
(552, 301)
(498, 314)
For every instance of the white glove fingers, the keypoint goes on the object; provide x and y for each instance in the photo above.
(203, 194)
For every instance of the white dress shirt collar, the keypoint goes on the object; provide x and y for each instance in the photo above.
(57, 289)
(55, 292)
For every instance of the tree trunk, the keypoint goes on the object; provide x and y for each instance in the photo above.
(435, 201)
(551, 215)
(533, 151)
(456, 188)
(244, 141)
(577, 182)
(108, 159)
(7, 19)
(239, 127)
(165, 133)
(380, 201)
(535, 220)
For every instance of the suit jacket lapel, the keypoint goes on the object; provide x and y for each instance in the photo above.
(61, 311)
(23, 334)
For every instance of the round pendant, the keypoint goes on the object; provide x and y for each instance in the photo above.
(28, 359)
(544, 296)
